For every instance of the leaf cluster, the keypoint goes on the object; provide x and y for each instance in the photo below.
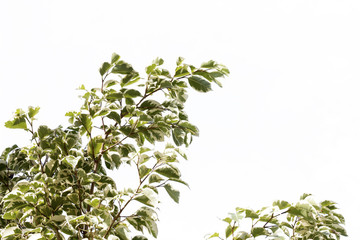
(58, 187)
(303, 220)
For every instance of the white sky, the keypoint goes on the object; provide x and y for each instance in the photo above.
(286, 121)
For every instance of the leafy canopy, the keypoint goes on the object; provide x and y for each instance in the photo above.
(58, 186)
(303, 220)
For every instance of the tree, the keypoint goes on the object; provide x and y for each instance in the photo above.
(303, 220)
(58, 187)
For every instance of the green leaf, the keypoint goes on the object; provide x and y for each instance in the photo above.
(129, 101)
(251, 214)
(179, 181)
(181, 72)
(58, 218)
(157, 134)
(94, 146)
(102, 112)
(45, 210)
(216, 74)
(10, 196)
(8, 232)
(173, 193)
(24, 185)
(93, 177)
(285, 224)
(181, 153)
(44, 131)
(7, 150)
(304, 196)
(155, 178)
(121, 232)
(228, 231)
(144, 149)
(73, 197)
(182, 96)
(179, 61)
(339, 216)
(114, 96)
(130, 79)
(122, 68)
(85, 121)
(77, 219)
(166, 84)
(16, 205)
(144, 200)
(178, 136)
(143, 171)
(107, 180)
(258, 231)
(71, 160)
(199, 84)
(145, 117)
(191, 128)
(169, 171)
(209, 64)
(33, 111)
(218, 83)
(93, 202)
(110, 83)
(146, 212)
(148, 104)
(214, 235)
(139, 238)
(104, 68)
(57, 201)
(150, 68)
(3, 165)
(68, 229)
(294, 211)
(17, 123)
(9, 215)
(327, 203)
(114, 116)
(145, 218)
(158, 61)
(224, 70)
(31, 197)
(152, 227)
(338, 228)
(165, 73)
(116, 159)
(132, 93)
(115, 58)
(205, 75)
(281, 204)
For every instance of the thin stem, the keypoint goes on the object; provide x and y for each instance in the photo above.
(146, 95)
(37, 143)
(127, 203)
(294, 226)
(232, 230)
(103, 80)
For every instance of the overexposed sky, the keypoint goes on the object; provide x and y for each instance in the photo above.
(286, 121)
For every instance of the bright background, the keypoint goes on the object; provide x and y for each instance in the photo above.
(286, 121)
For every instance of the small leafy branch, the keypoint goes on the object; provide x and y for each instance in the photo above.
(58, 187)
(303, 220)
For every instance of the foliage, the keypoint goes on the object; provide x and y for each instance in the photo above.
(58, 187)
(303, 220)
